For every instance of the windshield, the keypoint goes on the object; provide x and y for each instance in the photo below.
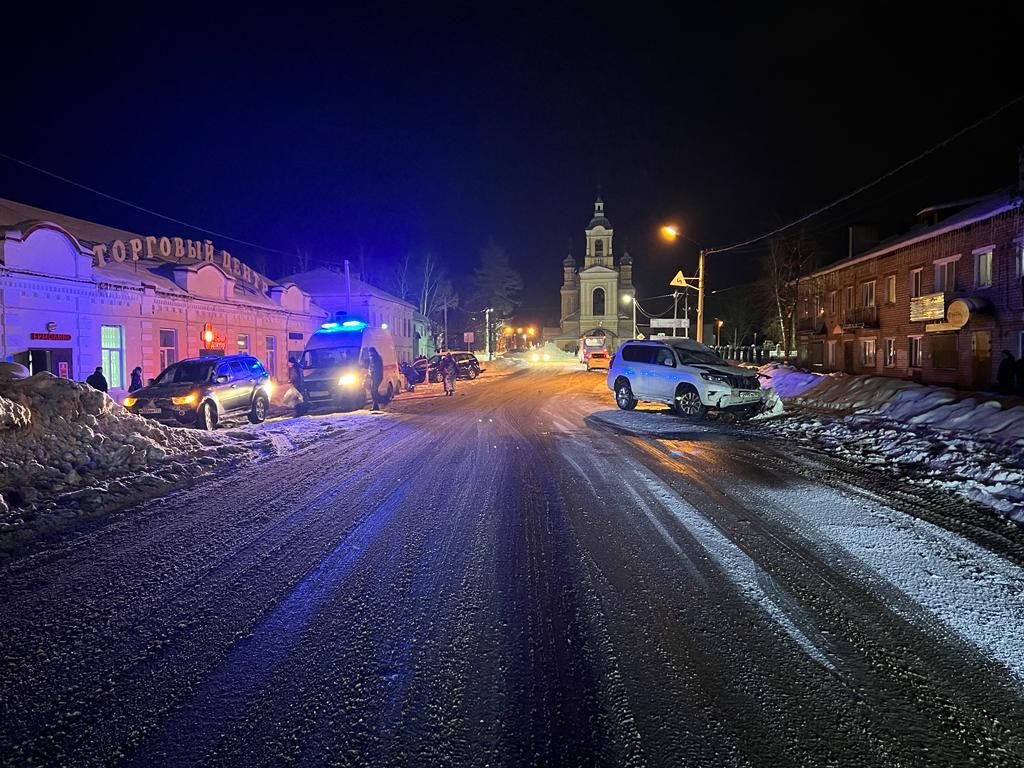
(187, 372)
(330, 357)
(698, 357)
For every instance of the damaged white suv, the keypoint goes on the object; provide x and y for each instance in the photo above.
(686, 375)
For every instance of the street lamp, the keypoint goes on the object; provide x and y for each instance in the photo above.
(626, 298)
(718, 332)
(672, 232)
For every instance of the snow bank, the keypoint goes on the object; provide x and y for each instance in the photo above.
(969, 444)
(67, 450)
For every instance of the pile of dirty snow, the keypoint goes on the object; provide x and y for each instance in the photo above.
(67, 450)
(972, 445)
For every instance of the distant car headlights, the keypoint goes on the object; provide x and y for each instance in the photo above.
(535, 357)
(547, 357)
(188, 399)
(715, 377)
(130, 401)
(348, 380)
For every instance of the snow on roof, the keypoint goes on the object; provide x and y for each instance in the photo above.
(322, 282)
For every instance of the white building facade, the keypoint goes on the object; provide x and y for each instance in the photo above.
(75, 296)
(592, 298)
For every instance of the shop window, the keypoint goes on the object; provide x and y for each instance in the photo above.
(890, 289)
(914, 351)
(243, 343)
(945, 350)
(983, 269)
(112, 355)
(168, 347)
(867, 349)
(889, 353)
(272, 355)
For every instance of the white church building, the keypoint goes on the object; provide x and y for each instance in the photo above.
(592, 297)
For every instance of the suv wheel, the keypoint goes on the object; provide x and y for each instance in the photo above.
(688, 403)
(624, 396)
(208, 416)
(472, 373)
(258, 412)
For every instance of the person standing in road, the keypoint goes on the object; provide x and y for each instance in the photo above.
(1007, 373)
(375, 366)
(97, 380)
(298, 384)
(136, 379)
(448, 370)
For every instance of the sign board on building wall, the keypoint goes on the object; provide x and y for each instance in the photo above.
(51, 336)
(62, 369)
(931, 306)
(176, 250)
(669, 322)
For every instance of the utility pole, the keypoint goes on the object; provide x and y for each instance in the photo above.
(487, 332)
(700, 297)
(686, 309)
(446, 344)
(675, 311)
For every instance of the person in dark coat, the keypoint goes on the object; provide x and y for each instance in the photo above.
(136, 379)
(298, 383)
(97, 380)
(1007, 373)
(375, 366)
(448, 370)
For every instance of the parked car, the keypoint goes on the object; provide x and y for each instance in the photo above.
(686, 375)
(598, 361)
(333, 366)
(466, 363)
(203, 390)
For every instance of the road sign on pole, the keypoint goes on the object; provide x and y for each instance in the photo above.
(682, 281)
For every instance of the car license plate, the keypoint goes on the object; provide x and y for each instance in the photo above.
(149, 411)
(749, 395)
(320, 393)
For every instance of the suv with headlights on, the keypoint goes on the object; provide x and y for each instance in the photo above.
(202, 390)
(685, 375)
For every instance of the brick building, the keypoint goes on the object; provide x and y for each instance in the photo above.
(938, 304)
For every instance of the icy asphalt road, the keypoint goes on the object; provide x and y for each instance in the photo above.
(507, 578)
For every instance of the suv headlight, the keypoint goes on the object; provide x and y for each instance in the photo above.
(188, 399)
(348, 380)
(717, 377)
(130, 401)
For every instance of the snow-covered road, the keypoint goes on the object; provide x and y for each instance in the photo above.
(521, 575)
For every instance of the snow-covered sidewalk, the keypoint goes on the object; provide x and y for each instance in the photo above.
(967, 443)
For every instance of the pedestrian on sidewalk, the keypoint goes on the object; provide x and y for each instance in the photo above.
(449, 371)
(1007, 373)
(136, 379)
(97, 380)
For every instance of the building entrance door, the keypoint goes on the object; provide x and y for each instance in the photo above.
(848, 356)
(981, 358)
(57, 361)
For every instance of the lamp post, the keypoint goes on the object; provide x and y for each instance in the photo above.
(718, 332)
(626, 298)
(672, 232)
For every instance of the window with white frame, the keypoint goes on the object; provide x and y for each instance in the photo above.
(867, 294)
(983, 267)
(867, 350)
(890, 289)
(272, 355)
(945, 274)
(168, 347)
(889, 353)
(849, 297)
(915, 282)
(112, 355)
(1018, 259)
(914, 351)
(243, 343)
(833, 303)
(830, 353)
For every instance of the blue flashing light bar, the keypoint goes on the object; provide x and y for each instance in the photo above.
(353, 324)
(329, 326)
(347, 325)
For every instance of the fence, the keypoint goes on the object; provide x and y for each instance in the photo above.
(752, 355)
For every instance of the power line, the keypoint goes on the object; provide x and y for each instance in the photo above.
(151, 212)
(877, 181)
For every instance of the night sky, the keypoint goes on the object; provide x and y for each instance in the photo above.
(412, 131)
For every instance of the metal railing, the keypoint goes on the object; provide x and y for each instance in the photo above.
(861, 317)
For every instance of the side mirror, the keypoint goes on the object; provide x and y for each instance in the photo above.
(150, 381)
(222, 379)
(668, 361)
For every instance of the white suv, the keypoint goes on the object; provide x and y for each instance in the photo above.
(685, 375)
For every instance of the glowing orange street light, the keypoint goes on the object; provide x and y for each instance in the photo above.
(532, 331)
(670, 232)
(718, 332)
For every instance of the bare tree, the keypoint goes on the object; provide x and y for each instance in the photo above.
(303, 259)
(789, 261)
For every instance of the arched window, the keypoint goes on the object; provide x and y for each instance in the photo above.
(599, 301)
(599, 251)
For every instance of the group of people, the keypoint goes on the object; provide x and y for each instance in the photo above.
(1010, 375)
(97, 380)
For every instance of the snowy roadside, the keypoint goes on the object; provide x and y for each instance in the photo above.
(959, 442)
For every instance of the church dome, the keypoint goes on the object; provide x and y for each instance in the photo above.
(599, 221)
